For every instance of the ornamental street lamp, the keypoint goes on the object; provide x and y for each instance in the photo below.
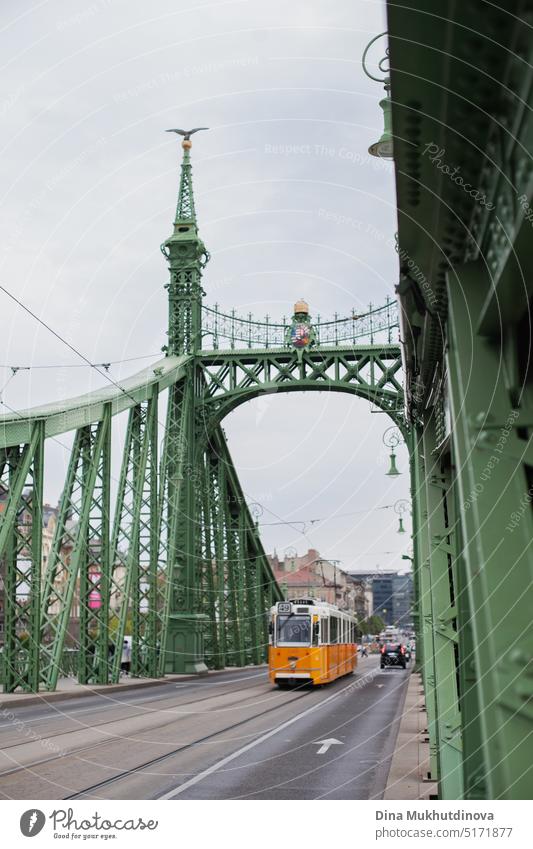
(383, 148)
(400, 507)
(257, 511)
(391, 439)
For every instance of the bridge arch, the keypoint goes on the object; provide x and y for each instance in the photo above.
(231, 378)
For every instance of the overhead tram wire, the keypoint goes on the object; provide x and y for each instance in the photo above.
(105, 374)
(105, 365)
(65, 342)
(326, 518)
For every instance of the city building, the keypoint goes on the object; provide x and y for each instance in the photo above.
(312, 575)
(389, 594)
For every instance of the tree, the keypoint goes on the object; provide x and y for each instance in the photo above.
(373, 625)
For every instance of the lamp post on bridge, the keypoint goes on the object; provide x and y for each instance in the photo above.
(391, 439)
(383, 148)
(400, 507)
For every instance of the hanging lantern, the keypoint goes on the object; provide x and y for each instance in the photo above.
(401, 529)
(393, 470)
(383, 148)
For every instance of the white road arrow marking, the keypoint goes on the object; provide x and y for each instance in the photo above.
(325, 744)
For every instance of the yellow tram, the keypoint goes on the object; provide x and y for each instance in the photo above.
(310, 640)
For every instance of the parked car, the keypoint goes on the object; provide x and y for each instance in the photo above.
(393, 654)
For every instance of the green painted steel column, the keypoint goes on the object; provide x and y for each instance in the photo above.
(219, 524)
(243, 577)
(442, 551)
(104, 584)
(422, 566)
(208, 561)
(493, 460)
(473, 766)
(20, 549)
(153, 594)
(187, 256)
(234, 623)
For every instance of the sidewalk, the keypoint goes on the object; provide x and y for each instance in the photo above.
(69, 688)
(410, 762)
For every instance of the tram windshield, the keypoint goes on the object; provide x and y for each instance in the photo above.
(293, 629)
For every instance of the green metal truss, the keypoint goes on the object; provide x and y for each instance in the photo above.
(233, 377)
(174, 560)
(21, 470)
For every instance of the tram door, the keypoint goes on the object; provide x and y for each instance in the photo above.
(324, 651)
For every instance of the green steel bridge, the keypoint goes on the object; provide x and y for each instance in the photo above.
(177, 561)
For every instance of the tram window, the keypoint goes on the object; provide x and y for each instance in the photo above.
(333, 629)
(325, 630)
(292, 629)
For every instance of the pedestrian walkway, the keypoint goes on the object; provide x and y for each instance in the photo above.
(70, 688)
(410, 762)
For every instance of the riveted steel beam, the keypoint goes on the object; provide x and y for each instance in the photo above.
(497, 528)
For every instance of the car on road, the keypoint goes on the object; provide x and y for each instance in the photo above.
(393, 654)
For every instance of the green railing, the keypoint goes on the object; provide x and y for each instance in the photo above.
(378, 325)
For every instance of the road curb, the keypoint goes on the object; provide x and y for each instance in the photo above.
(407, 778)
(87, 690)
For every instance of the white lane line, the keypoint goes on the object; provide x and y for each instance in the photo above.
(210, 770)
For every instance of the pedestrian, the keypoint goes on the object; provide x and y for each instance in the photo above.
(125, 661)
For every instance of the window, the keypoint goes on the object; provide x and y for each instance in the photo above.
(294, 630)
(333, 629)
(324, 623)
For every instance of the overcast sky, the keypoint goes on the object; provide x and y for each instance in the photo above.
(290, 205)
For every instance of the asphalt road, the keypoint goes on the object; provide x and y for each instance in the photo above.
(226, 736)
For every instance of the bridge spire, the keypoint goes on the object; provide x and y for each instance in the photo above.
(185, 210)
(187, 256)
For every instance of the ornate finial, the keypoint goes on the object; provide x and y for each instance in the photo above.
(186, 143)
(187, 256)
(301, 306)
(185, 209)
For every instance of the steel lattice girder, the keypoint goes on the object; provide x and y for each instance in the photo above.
(136, 588)
(237, 583)
(232, 377)
(21, 470)
(80, 542)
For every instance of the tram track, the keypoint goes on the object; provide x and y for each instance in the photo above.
(121, 718)
(161, 758)
(74, 753)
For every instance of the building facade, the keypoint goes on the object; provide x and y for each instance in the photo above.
(312, 575)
